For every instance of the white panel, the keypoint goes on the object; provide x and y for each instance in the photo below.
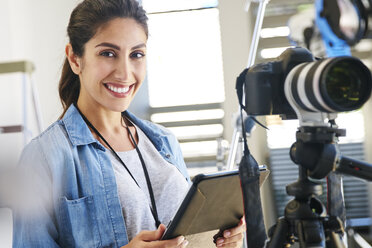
(6, 227)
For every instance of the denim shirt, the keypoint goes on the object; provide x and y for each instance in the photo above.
(74, 174)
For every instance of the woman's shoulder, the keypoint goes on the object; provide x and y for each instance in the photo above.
(50, 136)
(50, 143)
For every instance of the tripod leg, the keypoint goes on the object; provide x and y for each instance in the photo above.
(334, 240)
(311, 233)
(278, 234)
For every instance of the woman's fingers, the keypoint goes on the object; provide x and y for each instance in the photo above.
(152, 235)
(151, 239)
(232, 237)
(235, 230)
(178, 242)
(183, 244)
(233, 241)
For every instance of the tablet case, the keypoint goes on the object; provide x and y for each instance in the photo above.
(213, 201)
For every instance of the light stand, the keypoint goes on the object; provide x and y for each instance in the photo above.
(237, 135)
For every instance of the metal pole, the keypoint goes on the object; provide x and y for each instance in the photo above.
(35, 98)
(233, 149)
(256, 32)
(251, 59)
(26, 130)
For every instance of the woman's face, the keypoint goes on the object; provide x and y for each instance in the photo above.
(113, 65)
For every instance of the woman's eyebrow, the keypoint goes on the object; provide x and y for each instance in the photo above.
(139, 46)
(107, 44)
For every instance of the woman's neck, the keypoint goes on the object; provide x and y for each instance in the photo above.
(104, 120)
(110, 125)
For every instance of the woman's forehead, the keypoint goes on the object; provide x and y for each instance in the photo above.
(120, 31)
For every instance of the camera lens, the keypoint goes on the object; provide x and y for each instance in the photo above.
(331, 85)
(345, 84)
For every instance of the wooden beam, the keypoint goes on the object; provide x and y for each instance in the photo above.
(17, 66)
(11, 129)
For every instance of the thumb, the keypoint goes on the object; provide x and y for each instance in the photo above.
(159, 232)
(153, 235)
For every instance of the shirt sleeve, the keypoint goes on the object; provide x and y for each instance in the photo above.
(33, 214)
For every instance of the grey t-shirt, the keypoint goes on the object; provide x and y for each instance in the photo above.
(169, 187)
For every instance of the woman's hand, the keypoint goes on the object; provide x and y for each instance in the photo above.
(151, 239)
(232, 237)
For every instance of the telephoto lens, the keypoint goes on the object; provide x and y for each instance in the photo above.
(330, 85)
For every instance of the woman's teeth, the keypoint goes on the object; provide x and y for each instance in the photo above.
(118, 90)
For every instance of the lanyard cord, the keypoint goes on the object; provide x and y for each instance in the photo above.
(151, 192)
(148, 181)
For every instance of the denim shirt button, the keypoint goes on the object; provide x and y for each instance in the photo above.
(167, 155)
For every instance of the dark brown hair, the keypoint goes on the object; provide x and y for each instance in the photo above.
(85, 20)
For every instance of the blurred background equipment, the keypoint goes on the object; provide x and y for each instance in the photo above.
(26, 68)
(336, 24)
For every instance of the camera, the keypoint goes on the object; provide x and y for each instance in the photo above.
(296, 84)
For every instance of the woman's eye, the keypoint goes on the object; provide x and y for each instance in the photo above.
(137, 55)
(107, 54)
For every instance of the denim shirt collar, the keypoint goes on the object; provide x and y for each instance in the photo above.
(76, 128)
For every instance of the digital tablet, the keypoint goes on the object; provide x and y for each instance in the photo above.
(214, 201)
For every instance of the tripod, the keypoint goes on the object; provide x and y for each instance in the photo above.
(305, 219)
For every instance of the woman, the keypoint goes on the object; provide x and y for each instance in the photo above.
(103, 177)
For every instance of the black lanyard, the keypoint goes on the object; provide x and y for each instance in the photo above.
(151, 192)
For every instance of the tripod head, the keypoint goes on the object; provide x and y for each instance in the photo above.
(315, 149)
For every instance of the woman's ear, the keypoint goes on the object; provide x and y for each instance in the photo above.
(73, 59)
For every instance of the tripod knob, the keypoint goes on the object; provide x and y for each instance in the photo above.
(303, 188)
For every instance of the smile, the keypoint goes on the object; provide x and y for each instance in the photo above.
(118, 89)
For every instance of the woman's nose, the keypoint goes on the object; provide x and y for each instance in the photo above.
(123, 70)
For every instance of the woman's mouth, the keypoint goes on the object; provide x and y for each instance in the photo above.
(118, 90)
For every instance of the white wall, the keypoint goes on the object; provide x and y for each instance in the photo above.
(36, 31)
(4, 30)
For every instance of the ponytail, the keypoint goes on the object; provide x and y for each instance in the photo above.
(69, 87)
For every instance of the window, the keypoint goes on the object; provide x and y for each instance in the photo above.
(184, 58)
(185, 73)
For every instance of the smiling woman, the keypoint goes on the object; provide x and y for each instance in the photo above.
(100, 176)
